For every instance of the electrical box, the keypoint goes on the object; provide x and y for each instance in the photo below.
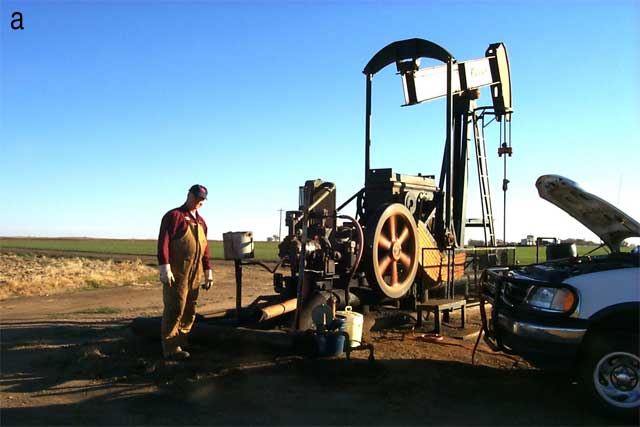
(238, 245)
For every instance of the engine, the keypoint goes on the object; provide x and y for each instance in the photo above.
(330, 252)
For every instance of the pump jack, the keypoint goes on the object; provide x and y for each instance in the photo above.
(460, 83)
(410, 224)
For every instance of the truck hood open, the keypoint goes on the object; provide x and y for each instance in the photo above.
(601, 217)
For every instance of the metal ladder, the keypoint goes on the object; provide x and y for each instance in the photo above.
(483, 178)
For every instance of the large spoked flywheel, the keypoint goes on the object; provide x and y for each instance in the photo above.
(393, 250)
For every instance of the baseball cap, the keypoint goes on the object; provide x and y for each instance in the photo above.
(199, 191)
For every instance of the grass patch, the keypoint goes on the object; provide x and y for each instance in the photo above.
(150, 278)
(113, 246)
(90, 285)
(264, 251)
(44, 275)
(527, 254)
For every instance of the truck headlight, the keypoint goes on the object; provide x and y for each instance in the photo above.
(553, 299)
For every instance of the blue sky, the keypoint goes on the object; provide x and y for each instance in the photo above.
(111, 110)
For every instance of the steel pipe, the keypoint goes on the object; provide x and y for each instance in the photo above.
(279, 309)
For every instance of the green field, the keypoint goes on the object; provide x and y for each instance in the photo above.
(265, 251)
(527, 254)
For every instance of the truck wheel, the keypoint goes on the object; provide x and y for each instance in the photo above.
(611, 375)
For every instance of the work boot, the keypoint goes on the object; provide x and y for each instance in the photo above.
(178, 356)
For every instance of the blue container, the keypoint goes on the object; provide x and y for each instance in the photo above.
(337, 324)
(330, 344)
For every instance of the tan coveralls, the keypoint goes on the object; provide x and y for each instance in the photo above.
(185, 257)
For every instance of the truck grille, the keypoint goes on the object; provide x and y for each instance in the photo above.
(514, 293)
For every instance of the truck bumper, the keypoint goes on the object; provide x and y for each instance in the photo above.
(546, 346)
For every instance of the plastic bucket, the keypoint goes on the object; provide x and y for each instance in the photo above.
(353, 325)
(337, 325)
(329, 344)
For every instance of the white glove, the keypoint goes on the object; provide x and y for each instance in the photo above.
(208, 280)
(166, 276)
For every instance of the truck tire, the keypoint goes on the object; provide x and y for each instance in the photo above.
(610, 373)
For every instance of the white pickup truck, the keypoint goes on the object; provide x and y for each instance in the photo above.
(578, 313)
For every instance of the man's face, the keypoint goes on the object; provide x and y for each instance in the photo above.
(194, 202)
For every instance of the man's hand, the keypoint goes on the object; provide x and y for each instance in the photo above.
(166, 276)
(208, 280)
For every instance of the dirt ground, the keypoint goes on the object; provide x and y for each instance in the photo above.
(70, 358)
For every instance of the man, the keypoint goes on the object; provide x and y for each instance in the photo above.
(183, 256)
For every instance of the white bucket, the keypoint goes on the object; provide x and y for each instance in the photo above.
(352, 325)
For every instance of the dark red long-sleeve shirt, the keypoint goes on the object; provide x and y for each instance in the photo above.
(174, 224)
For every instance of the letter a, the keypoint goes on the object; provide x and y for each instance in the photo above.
(16, 23)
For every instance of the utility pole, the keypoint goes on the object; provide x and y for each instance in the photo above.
(280, 225)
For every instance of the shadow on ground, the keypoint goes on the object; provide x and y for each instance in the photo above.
(100, 374)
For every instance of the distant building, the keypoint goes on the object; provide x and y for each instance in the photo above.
(529, 241)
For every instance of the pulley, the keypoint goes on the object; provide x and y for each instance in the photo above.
(392, 250)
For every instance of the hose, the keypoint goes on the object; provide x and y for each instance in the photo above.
(475, 347)
(272, 271)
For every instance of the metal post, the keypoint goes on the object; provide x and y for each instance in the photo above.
(505, 183)
(449, 139)
(462, 124)
(367, 128)
(238, 267)
(303, 251)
